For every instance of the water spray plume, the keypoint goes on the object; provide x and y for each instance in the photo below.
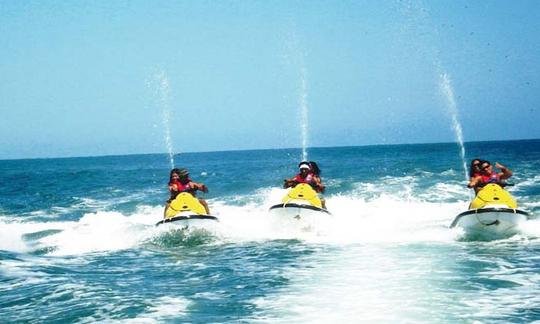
(296, 60)
(448, 91)
(304, 114)
(164, 100)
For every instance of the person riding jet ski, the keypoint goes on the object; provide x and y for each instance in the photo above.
(493, 213)
(487, 175)
(474, 169)
(179, 182)
(309, 174)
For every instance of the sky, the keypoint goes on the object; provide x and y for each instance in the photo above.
(86, 78)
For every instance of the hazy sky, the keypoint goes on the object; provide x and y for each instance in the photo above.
(100, 77)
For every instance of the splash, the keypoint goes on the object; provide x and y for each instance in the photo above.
(295, 58)
(163, 92)
(370, 214)
(419, 25)
(448, 92)
(304, 113)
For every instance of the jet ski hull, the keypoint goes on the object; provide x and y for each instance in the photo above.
(303, 215)
(300, 208)
(187, 210)
(491, 222)
(189, 220)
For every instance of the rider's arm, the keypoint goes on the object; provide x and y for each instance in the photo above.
(198, 186)
(505, 174)
(173, 187)
(287, 183)
(318, 183)
(474, 182)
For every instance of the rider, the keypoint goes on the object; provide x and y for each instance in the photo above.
(487, 175)
(307, 175)
(316, 176)
(474, 169)
(179, 181)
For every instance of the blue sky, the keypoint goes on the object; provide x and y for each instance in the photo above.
(84, 78)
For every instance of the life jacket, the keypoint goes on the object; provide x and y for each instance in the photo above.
(181, 188)
(308, 179)
(492, 178)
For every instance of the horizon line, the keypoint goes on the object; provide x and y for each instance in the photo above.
(260, 149)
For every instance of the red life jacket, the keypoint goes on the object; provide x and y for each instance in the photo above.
(181, 187)
(308, 179)
(492, 178)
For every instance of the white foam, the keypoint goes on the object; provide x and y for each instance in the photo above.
(386, 283)
(10, 240)
(355, 285)
(90, 203)
(527, 183)
(368, 214)
(531, 228)
(381, 219)
(25, 270)
(11, 233)
(446, 192)
(388, 220)
(162, 309)
(102, 231)
(22, 271)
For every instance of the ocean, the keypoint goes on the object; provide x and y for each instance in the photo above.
(78, 242)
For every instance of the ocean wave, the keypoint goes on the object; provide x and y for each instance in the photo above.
(162, 309)
(370, 280)
(449, 173)
(527, 183)
(369, 213)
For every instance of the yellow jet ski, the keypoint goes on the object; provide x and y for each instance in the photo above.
(300, 202)
(492, 214)
(186, 209)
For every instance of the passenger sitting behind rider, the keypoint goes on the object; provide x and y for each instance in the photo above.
(474, 169)
(307, 175)
(487, 175)
(179, 182)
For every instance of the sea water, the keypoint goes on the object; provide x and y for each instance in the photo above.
(78, 241)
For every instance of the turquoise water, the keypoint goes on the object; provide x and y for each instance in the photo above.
(77, 241)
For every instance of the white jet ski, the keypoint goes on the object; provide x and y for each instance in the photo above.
(300, 203)
(493, 214)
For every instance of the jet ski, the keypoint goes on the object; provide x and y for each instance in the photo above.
(493, 214)
(186, 210)
(301, 202)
